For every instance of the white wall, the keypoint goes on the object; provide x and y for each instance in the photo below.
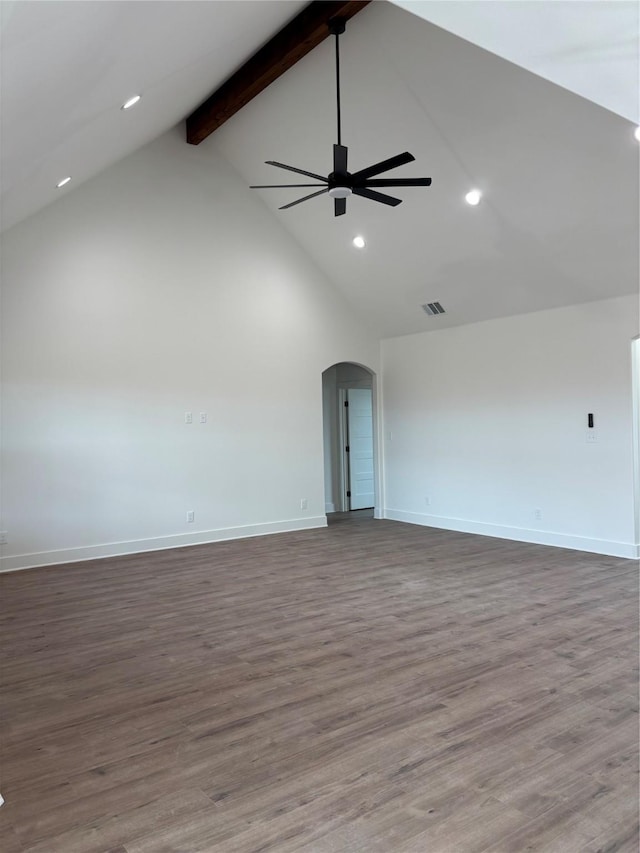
(162, 286)
(635, 395)
(489, 421)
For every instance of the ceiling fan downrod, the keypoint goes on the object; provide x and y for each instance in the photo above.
(337, 26)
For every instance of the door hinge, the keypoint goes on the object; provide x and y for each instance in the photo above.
(348, 494)
(346, 404)
(347, 448)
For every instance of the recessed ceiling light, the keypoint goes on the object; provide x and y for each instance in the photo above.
(636, 133)
(358, 242)
(63, 181)
(473, 197)
(131, 102)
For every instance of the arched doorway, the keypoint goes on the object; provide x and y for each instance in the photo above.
(350, 446)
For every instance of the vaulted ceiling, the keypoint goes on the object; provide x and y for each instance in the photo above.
(67, 67)
(591, 48)
(558, 221)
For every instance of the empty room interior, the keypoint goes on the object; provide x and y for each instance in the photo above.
(320, 501)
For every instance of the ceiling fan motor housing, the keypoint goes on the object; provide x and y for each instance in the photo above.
(340, 185)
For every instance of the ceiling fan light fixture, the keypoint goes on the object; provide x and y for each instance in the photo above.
(359, 242)
(473, 197)
(340, 192)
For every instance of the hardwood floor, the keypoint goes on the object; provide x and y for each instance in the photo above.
(371, 687)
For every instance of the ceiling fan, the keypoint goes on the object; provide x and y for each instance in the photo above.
(340, 184)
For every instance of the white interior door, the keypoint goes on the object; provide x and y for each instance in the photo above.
(360, 423)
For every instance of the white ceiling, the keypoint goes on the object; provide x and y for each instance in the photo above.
(558, 223)
(67, 67)
(591, 48)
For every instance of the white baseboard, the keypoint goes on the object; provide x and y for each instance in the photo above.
(329, 507)
(519, 534)
(160, 543)
(183, 540)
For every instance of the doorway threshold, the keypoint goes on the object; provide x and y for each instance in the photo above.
(353, 515)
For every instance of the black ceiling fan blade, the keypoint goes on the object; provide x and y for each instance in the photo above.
(385, 199)
(339, 206)
(304, 198)
(399, 182)
(299, 171)
(340, 158)
(382, 166)
(275, 186)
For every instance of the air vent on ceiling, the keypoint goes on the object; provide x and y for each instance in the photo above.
(433, 308)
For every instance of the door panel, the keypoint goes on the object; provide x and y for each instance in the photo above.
(360, 421)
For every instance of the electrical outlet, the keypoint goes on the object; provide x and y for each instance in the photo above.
(203, 417)
(191, 516)
(592, 436)
(3, 537)
(303, 503)
(188, 417)
(537, 514)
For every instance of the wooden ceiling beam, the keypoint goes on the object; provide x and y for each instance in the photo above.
(294, 41)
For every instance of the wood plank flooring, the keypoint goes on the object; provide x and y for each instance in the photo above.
(372, 687)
